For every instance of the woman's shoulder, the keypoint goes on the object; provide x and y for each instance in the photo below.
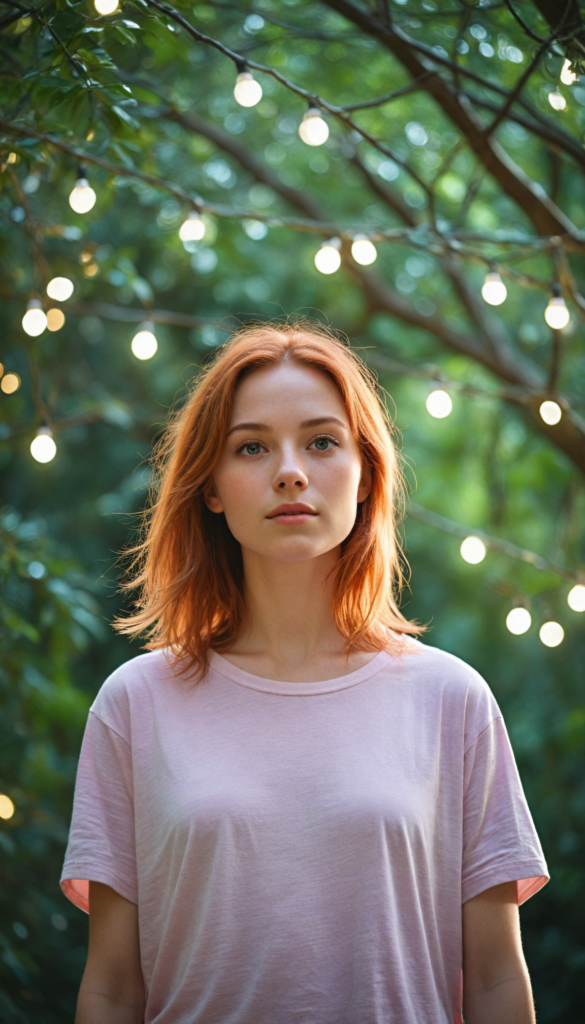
(452, 681)
(129, 687)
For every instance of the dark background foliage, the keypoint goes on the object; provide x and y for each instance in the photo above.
(463, 164)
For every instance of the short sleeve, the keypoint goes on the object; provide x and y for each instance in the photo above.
(500, 843)
(101, 845)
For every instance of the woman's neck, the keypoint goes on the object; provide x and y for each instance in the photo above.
(291, 633)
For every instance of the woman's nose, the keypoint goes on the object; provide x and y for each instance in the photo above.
(290, 474)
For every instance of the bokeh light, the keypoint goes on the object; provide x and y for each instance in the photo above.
(83, 197)
(550, 412)
(494, 290)
(60, 289)
(576, 598)
(43, 447)
(519, 621)
(313, 129)
(473, 550)
(552, 634)
(55, 319)
(439, 404)
(328, 257)
(10, 383)
(247, 91)
(6, 807)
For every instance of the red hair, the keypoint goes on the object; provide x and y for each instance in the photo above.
(187, 566)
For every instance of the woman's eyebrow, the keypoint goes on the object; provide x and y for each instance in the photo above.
(247, 426)
(319, 420)
(316, 422)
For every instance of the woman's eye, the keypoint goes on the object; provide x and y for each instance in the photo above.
(323, 444)
(251, 448)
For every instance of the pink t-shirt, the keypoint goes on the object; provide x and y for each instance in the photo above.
(299, 852)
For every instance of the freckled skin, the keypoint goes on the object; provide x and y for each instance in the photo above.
(286, 461)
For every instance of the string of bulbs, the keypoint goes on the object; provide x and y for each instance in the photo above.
(313, 131)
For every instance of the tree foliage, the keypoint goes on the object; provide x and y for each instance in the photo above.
(457, 148)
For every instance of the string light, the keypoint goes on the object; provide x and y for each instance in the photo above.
(106, 6)
(60, 289)
(363, 250)
(550, 412)
(556, 313)
(83, 197)
(55, 319)
(247, 91)
(10, 383)
(557, 100)
(192, 229)
(439, 404)
(494, 290)
(144, 343)
(473, 550)
(313, 129)
(43, 447)
(328, 258)
(34, 320)
(6, 807)
(552, 634)
(519, 621)
(576, 598)
(568, 76)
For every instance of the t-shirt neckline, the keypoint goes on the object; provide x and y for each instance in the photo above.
(290, 689)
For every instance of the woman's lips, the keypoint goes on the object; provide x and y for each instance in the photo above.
(291, 518)
(292, 514)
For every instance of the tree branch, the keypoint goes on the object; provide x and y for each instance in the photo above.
(541, 211)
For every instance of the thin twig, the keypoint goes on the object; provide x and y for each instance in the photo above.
(505, 547)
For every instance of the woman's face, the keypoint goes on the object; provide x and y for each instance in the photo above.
(290, 475)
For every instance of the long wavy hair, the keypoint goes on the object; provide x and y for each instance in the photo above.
(187, 566)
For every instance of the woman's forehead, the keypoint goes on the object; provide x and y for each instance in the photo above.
(286, 387)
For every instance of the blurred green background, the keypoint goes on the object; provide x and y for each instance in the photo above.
(448, 189)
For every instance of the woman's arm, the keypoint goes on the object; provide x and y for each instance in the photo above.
(112, 989)
(496, 985)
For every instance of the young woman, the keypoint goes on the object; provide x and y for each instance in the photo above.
(290, 809)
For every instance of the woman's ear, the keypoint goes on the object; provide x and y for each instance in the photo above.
(211, 497)
(365, 484)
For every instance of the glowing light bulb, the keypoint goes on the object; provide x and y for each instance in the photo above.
(473, 550)
(439, 404)
(10, 383)
(519, 621)
(576, 598)
(83, 197)
(6, 807)
(363, 250)
(550, 412)
(192, 229)
(144, 343)
(106, 6)
(494, 290)
(552, 634)
(43, 447)
(247, 91)
(328, 258)
(556, 313)
(557, 102)
(568, 76)
(55, 319)
(34, 320)
(60, 289)
(313, 129)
